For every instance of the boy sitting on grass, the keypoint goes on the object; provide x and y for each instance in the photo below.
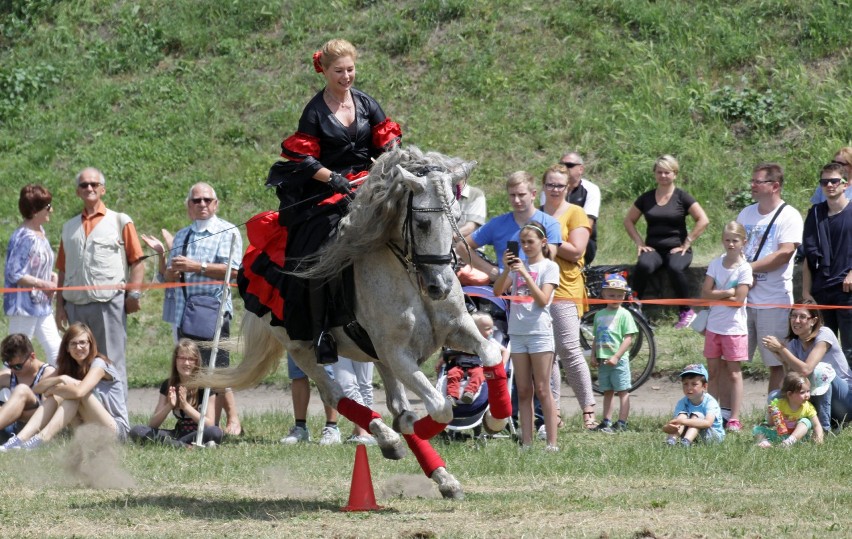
(697, 413)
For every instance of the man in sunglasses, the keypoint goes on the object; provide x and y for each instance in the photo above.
(199, 255)
(583, 193)
(17, 400)
(827, 243)
(100, 253)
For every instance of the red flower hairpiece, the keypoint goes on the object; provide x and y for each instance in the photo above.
(317, 64)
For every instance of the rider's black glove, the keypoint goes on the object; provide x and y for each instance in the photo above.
(339, 184)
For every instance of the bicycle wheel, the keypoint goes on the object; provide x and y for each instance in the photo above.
(643, 352)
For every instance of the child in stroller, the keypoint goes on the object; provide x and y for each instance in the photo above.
(460, 365)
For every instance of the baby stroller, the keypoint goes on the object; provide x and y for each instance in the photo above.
(468, 417)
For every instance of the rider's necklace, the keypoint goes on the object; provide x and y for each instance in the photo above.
(343, 104)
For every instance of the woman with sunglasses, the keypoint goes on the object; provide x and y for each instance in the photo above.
(29, 261)
(809, 342)
(19, 401)
(568, 305)
(86, 390)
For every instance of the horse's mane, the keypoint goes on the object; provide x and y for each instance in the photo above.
(375, 214)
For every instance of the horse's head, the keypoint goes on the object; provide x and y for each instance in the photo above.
(430, 223)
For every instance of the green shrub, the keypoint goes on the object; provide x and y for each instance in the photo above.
(746, 110)
(18, 85)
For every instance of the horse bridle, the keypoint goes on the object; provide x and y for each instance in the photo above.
(408, 256)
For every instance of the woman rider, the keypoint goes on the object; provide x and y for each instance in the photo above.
(341, 130)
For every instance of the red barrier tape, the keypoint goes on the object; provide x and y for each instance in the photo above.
(676, 302)
(124, 286)
(519, 299)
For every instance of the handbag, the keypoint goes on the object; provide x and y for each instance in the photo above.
(200, 317)
(200, 313)
(699, 323)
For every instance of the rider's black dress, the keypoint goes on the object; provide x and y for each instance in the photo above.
(309, 209)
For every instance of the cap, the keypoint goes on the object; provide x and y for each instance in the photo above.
(614, 281)
(695, 368)
(821, 378)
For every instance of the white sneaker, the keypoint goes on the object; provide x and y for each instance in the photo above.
(12, 443)
(362, 440)
(297, 434)
(330, 436)
(542, 433)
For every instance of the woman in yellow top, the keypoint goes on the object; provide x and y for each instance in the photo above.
(568, 306)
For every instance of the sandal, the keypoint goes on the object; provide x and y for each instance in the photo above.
(589, 420)
(560, 424)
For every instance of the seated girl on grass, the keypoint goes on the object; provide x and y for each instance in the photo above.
(181, 402)
(791, 417)
(85, 390)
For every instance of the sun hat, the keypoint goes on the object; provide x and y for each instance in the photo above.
(821, 379)
(695, 368)
(614, 281)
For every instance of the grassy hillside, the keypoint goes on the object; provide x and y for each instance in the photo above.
(160, 94)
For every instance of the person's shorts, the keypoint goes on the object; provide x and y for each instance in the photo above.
(727, 347)
(295, 373)
(532, 344)
(708, 435)
(614, 378)
(763, 322)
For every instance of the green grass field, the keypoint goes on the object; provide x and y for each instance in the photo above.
(626, 485)
(161, 94)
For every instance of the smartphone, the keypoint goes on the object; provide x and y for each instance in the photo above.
(512, 247)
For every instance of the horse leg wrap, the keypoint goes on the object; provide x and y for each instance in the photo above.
(427, 428)
(498, 391)
(426, 456)
(357, 413)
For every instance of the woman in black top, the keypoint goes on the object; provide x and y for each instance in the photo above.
(667, 241)
(340, 131)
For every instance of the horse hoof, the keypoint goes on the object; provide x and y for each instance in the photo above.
(491, 425)
(404, 422)
(448, 486)
(394, 452)
(392, 445)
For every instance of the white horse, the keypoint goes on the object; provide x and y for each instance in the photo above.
(398, 236)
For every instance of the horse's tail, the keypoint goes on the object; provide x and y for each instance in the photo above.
(262, 353)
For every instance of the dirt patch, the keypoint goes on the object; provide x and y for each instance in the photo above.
(656, 398)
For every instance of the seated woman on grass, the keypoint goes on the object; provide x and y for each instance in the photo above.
(809, 343)
(86, 390)
(183, 403)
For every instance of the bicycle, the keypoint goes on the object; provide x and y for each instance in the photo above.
(643, 352)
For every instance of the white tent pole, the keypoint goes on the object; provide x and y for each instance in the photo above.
(214, 350)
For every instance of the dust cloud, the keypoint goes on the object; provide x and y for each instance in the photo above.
(408, 486)
(282, 483)
(92, 459)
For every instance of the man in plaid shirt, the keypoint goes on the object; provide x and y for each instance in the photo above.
(200, 254)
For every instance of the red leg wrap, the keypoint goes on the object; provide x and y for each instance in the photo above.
(498, 392)
(427, 428)
(357, 413)
(426, 456)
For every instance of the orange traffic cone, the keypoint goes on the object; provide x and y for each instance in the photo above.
(361, 495)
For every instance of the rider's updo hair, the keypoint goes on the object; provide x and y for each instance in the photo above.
(331, 51)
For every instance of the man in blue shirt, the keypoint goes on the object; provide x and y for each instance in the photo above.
(520, 186)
